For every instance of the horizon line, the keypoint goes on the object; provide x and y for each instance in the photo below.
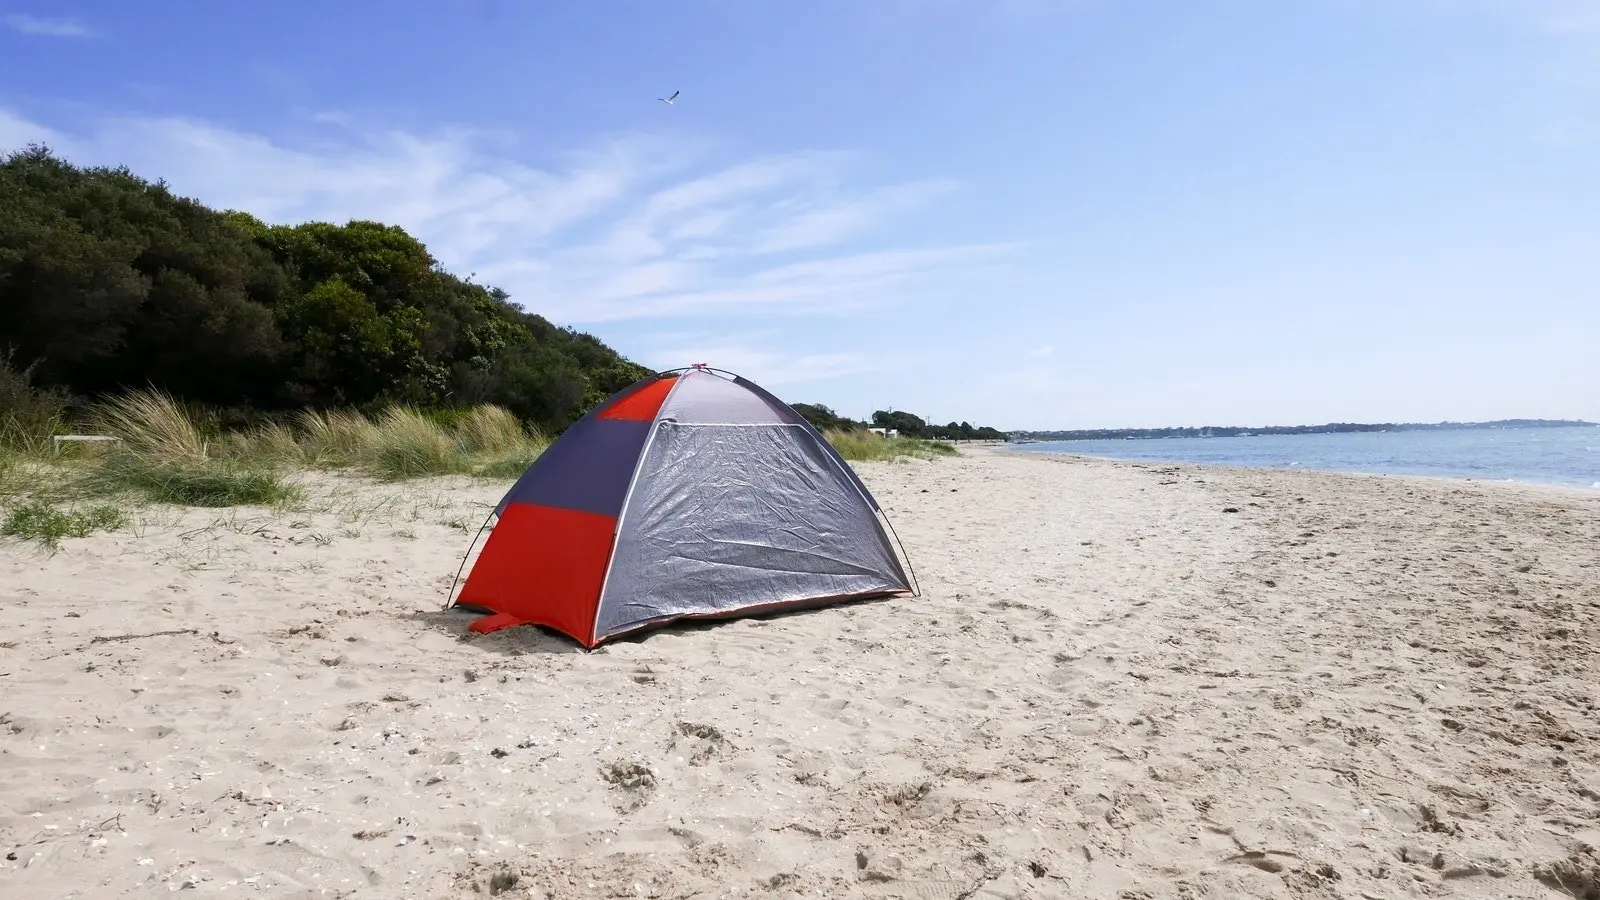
(1579, 423)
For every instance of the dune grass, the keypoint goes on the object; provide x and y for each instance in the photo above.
(165, 457)
(42, 521)
(866, 446)
(170, 453)
(153, 425)
(485, 441)
(209, 482)
(165, 454)
(336, 439)
(28, 414)
(12, 479)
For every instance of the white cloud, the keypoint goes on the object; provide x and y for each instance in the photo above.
(830, 222)
(640, 227)
(1039, 352)
(16, 132)
(34, 25)
(774, 369)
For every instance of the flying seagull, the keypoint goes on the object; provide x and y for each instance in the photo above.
(669, 100)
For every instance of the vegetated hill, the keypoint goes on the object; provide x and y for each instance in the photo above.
(110, 282)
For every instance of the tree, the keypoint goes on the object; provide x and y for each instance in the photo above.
(824, 419)
(903, 422)
(108, 281)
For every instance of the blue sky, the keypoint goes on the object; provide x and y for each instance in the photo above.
(1025, 213)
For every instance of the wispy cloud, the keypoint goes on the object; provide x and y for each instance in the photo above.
(832, 220)
(62, 28)
(642, 227)
(751, 354)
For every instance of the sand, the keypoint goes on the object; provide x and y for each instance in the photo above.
(1139, 681)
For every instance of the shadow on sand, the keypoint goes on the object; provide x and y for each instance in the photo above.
(524, 639)
(518, 641)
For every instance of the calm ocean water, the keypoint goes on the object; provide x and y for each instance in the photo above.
(1558, 456)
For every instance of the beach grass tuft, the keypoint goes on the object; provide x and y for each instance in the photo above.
(203, 482)
(484, 441)
(29, 415)
(506, 468)
(152, 425)
(274, 444)
(164, 456)
(336, 439)
(41, 521)
(490, 430)
(859, 445)
(410, 445)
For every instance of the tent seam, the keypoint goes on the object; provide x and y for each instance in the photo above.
(622, 514)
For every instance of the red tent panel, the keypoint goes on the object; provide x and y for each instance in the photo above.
(542, 566)
(641, 405)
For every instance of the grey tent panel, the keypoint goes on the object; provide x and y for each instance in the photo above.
(729, 517)
(701, 398)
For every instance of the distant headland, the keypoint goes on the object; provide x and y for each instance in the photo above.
(1103, 434)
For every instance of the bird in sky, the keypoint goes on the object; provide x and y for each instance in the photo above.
(669, 100)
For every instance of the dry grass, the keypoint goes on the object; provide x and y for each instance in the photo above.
(493, 431)
(165, 457)
(13, 479)
(410, 445)
(276, 444)
(402, 443)
(867, 446)
(336, 439)
(28, 414)
(152, 425)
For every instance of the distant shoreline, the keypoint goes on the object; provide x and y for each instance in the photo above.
(1207, 431)
(1566, 489)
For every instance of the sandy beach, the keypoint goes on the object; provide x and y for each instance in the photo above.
(1122, 681)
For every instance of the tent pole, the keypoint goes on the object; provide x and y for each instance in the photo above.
(449, 598)
(916, 586)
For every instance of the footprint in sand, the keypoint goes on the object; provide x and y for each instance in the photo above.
(699, 743)
(1577, 876)
(632, 785)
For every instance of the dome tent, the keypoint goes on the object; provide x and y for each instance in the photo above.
(693, 493)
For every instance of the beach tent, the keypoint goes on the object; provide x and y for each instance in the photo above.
(690, 494)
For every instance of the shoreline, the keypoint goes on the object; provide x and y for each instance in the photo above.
(1579, 490)
(1168, 680)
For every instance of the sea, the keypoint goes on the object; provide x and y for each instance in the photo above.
(1566, 456)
